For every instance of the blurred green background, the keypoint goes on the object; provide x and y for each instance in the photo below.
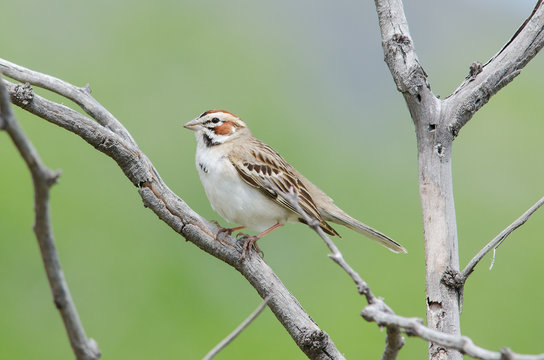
(309, 78)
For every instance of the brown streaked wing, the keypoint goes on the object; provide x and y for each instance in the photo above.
(267, 171)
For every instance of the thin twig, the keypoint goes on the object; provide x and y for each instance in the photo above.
(394, 340)
(237, 331)
(43, 178)
(497, 241)
(336, 256)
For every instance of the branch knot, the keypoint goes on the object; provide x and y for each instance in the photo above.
(453, 279)
(475, 68)
(314, 341)
(23, 94)
(401, 39)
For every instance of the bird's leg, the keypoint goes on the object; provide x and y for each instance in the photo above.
(251, 242)
(223, 230)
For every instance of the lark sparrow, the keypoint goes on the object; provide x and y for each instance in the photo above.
(248, 183)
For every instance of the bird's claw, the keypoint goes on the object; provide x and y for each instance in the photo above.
(250, 242)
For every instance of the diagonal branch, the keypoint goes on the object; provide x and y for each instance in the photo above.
(171, 209)
(497, 241)
(43, 178)
(485, 81)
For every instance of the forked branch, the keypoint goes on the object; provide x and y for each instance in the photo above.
(437, 123)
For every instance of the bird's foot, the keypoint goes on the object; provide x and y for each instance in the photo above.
(250, 244)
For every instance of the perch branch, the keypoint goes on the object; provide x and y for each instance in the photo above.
(43, 178)
(497, 241)
(213, 352)
(156, 195)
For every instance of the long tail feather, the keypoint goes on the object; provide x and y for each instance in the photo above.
(349, 222)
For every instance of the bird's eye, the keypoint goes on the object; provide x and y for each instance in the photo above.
(215, 120)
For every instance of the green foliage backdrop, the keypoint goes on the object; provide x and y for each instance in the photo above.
(309, 79)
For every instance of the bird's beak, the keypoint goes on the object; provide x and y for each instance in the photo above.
(193, 125)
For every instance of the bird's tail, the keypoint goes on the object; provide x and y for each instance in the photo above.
(340, 217)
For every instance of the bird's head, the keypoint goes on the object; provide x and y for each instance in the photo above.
(216, 127)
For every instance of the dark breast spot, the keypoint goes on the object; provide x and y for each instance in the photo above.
(203, 167)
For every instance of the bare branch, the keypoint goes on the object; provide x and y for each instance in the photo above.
(43, 178)
(156, 195)
(414, 327)
(213, 352)
(497, 241)
(480, 85)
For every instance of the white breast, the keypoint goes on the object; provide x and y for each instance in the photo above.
(231, 197)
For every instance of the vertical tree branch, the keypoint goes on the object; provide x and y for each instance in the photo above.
(43, 178)
(435, 178)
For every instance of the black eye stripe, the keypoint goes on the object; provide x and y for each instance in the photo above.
(212, 122)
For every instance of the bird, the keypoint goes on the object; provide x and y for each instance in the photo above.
(250, 184)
